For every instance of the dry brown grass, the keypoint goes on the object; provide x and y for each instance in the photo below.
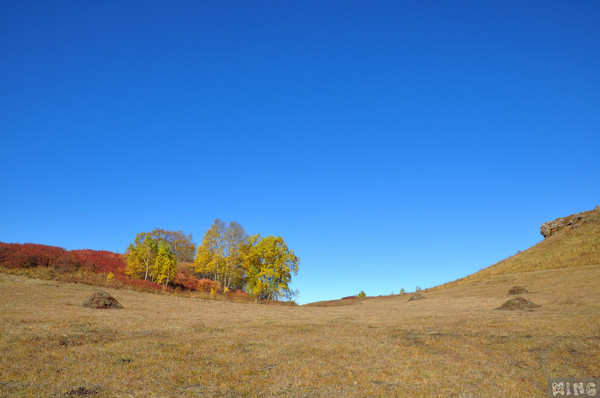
(452, 344)
(569, 247)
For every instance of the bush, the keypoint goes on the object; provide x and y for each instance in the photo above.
(101, 261)
(186, 281)
(362, 294)
(141, 284)
(28, 255)
(207, 285)
(97, 267)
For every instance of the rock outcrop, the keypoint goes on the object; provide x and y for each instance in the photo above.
(549, 228)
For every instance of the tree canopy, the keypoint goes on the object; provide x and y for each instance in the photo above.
(181, 245)
(261, 266)
(151, 258)
(269, 265)
(219, 257)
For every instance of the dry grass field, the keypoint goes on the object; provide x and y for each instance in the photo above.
(453, 343)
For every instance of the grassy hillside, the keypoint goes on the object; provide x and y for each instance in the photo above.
(453, 343)
(577, 243)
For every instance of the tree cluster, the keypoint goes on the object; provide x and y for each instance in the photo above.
(260, 266)
(150, 257)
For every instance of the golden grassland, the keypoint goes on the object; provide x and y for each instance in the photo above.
(453, 343)
(569, 247)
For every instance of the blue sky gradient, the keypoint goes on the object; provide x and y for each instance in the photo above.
(392, 145)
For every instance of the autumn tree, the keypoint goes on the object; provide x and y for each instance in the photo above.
(181, 245)
(235, 239)
(151, 258)
(209, 256)
(165, 264)
(219, 258)
(269, 264)
(140, 256)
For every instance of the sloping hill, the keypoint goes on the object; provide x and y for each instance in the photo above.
(570, 241)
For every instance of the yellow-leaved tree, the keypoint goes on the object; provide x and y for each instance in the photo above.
(151, 258)
(219, 257)
(165, 264)
(181, 245)
(269, 265)
(140, 256)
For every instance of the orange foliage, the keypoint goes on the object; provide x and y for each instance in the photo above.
(185, 281)
(206, 285)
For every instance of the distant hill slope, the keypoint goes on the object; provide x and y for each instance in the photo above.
(570, 241)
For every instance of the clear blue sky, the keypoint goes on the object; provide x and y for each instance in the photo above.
(391, 144)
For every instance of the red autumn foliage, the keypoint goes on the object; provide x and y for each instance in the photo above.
(238, 293)
(101, 261)
(29, 255)
(185, 281)
(140, 283)
(206, 285)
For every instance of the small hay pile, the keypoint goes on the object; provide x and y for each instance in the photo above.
(517, 290)
(518, 303)
(102, 300)
(416, 296)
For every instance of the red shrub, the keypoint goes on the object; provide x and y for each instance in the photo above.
(206, 285)
(185, 281)
(15, 255)
(28, 255)
(140, 283)
(101, 261)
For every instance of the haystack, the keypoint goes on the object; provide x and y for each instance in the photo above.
(416, 296)
(102, 300)
(517, 290)
(518, 303)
